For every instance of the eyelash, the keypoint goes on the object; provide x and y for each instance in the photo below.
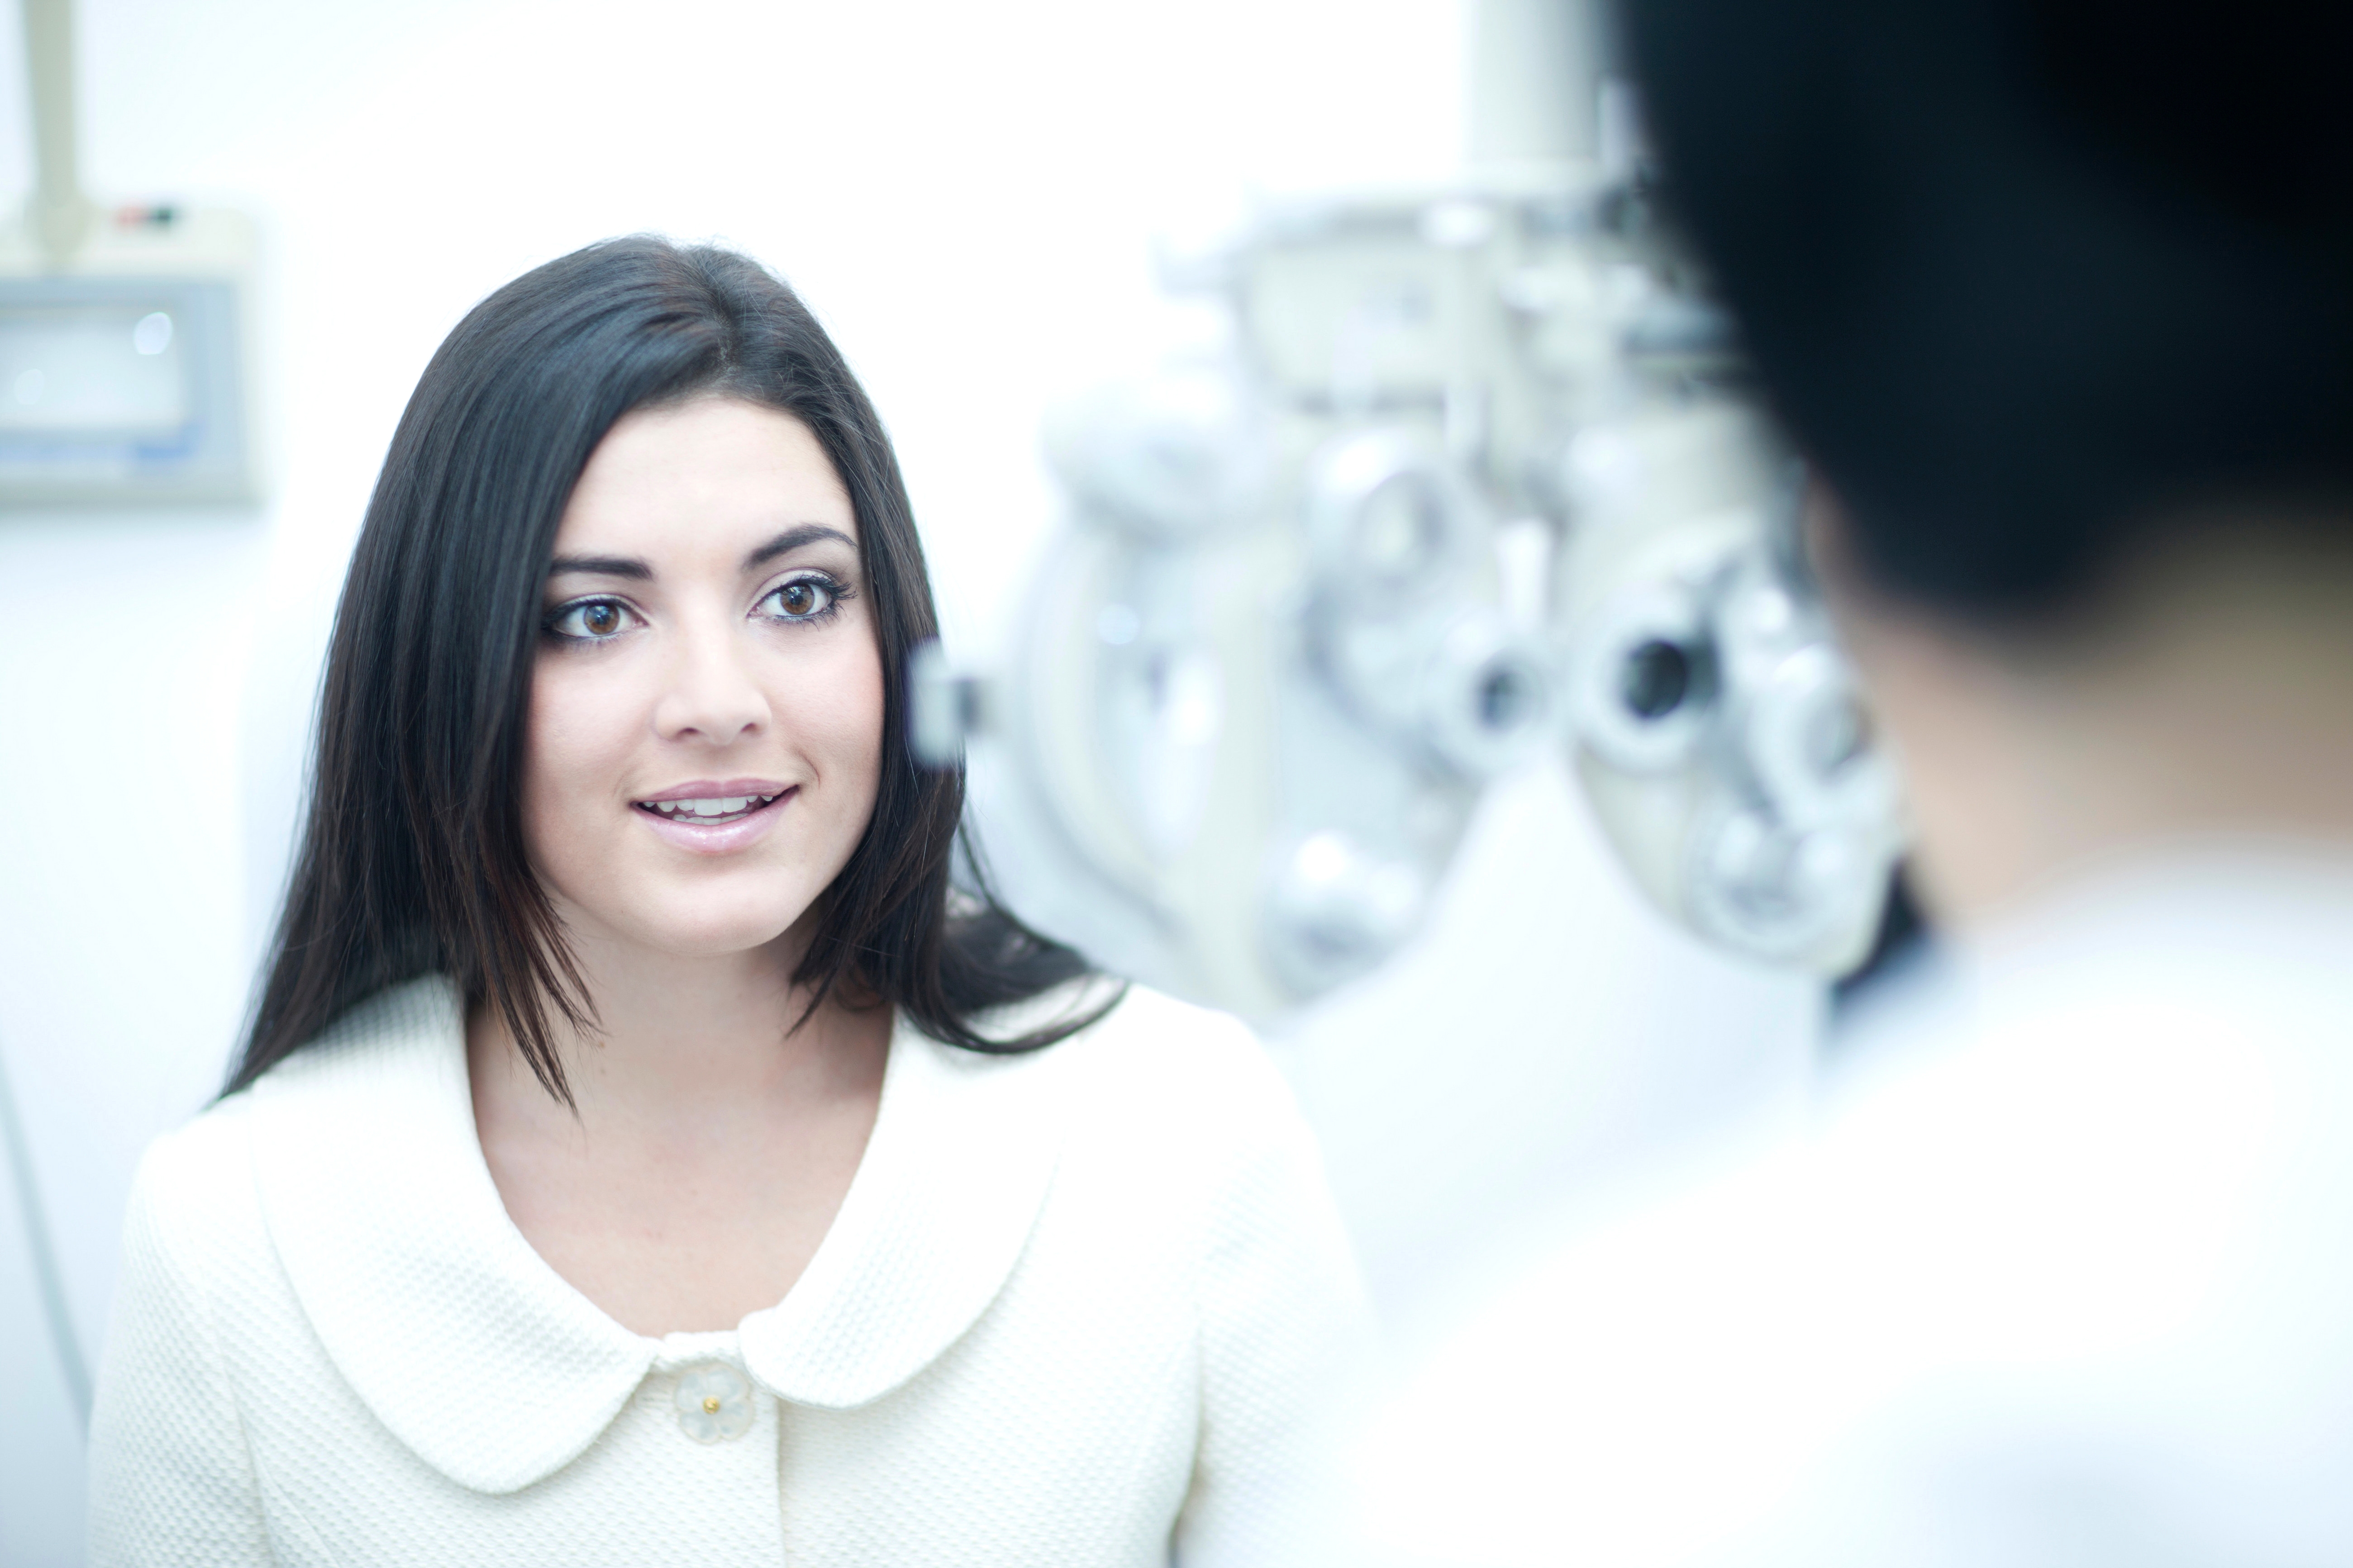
(564, 612)
(836, 593)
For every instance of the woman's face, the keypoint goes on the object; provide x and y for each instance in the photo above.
(706, 706)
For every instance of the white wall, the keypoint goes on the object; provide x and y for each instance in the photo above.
(967, 196)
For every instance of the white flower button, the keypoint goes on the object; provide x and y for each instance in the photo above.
(715, 1402)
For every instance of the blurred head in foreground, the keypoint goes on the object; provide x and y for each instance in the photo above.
(2058, 297)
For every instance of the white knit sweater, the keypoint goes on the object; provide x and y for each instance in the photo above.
(1089, 1306)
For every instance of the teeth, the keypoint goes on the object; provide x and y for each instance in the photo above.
(716, 805)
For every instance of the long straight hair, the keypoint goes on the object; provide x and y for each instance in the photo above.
(413, 860)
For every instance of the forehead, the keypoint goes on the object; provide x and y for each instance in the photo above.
(712, 469)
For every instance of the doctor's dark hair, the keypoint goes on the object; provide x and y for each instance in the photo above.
(2036, 281)
(413, 860)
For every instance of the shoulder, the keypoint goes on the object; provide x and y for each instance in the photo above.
(200, 1197)
(1147, 1021)
(1180, 1112)
(1155, 1093)
(195, 1184)
(398, 1033)
(1150, 1037)
(1182, 1066)
(195, 1256)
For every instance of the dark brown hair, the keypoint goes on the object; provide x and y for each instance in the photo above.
(413, 860)
(2034, 281)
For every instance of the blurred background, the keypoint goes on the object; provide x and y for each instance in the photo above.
(972, 200)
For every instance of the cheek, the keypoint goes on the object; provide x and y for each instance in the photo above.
(836, 712)
(576, 730)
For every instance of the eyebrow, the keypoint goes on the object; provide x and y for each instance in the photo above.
(602, 566)
(791, 539)
(637, 570)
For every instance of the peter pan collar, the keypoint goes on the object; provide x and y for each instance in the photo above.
(436, 1310)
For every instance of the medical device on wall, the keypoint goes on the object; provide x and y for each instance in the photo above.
(1301, 611)
(123, 380)
(123, 332)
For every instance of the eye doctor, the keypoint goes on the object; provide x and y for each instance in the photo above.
(640, 1150)
(2058, 297)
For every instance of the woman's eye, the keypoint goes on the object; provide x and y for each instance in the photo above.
(802, 599)
(589, 620)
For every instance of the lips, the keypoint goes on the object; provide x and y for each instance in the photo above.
(717, 816)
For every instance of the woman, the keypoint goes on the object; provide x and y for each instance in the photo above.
(640, 1151)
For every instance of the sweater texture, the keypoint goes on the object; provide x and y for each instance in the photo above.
(1090, 1305)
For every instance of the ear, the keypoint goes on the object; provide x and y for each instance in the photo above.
(1952, 714)
(1825, 529)
(1876, 628)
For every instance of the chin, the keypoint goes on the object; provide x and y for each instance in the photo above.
(692, 926)
(714, 941)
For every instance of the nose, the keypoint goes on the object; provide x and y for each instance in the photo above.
(709, 693)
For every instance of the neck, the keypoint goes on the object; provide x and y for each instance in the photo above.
(677, 1038)
(2206, 700)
